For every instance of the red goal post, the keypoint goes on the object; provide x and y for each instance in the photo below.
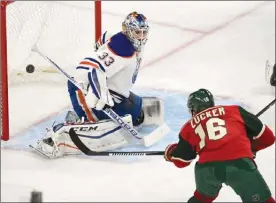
(76, 13)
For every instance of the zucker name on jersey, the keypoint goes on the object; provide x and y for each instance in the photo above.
(225, 138)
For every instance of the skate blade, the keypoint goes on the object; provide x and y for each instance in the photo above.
(41, 153)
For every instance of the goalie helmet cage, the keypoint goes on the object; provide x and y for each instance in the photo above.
(81, 20)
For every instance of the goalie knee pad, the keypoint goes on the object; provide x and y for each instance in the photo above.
(72, 117)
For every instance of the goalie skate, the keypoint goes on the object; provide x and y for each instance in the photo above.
(40, 152)
(46, 148)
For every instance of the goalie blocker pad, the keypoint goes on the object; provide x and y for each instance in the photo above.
(153, 108)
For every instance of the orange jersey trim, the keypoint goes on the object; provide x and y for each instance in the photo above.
(84, 106)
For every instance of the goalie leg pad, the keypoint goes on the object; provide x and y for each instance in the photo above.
(100, 136)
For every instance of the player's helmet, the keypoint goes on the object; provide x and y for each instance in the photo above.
(200, 100)
(135, 26)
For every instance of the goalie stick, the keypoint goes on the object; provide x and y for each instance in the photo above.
(147, 140)
(75, 138)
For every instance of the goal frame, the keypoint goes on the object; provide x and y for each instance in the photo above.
(4, 61)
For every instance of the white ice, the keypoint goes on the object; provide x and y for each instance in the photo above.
(221, 46)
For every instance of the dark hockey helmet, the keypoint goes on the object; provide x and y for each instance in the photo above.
(200, 100)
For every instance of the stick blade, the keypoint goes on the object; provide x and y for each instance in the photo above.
(156, 135)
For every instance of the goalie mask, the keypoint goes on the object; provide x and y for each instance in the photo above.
(135, 26)
(199, 101)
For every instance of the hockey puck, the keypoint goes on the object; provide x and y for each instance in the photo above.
(30, 68)
(36, 196)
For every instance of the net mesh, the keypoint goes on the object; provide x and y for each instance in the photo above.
(63, 31)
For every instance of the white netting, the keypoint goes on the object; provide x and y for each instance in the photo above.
(64, 31)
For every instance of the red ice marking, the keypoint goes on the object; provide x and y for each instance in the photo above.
(46, 118)
(170, 53)
(165, 24)
(204, 35)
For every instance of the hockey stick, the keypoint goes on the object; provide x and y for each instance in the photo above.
(76, 140)
(260, 113)
(147, 140)
(265, 108)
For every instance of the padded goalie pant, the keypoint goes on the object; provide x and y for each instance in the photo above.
(241, 175)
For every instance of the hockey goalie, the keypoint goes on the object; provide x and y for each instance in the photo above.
(107, 75)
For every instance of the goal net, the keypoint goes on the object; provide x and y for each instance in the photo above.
(63, 31)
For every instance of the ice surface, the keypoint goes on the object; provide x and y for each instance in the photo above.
(221, 46)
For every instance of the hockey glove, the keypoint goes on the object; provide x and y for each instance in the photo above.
(254, 143)
(254, 155)
(168, 152)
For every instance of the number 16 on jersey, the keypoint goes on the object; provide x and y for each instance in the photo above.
(215, 128)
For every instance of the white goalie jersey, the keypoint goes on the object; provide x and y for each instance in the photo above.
(116, 57)
(111, 68)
